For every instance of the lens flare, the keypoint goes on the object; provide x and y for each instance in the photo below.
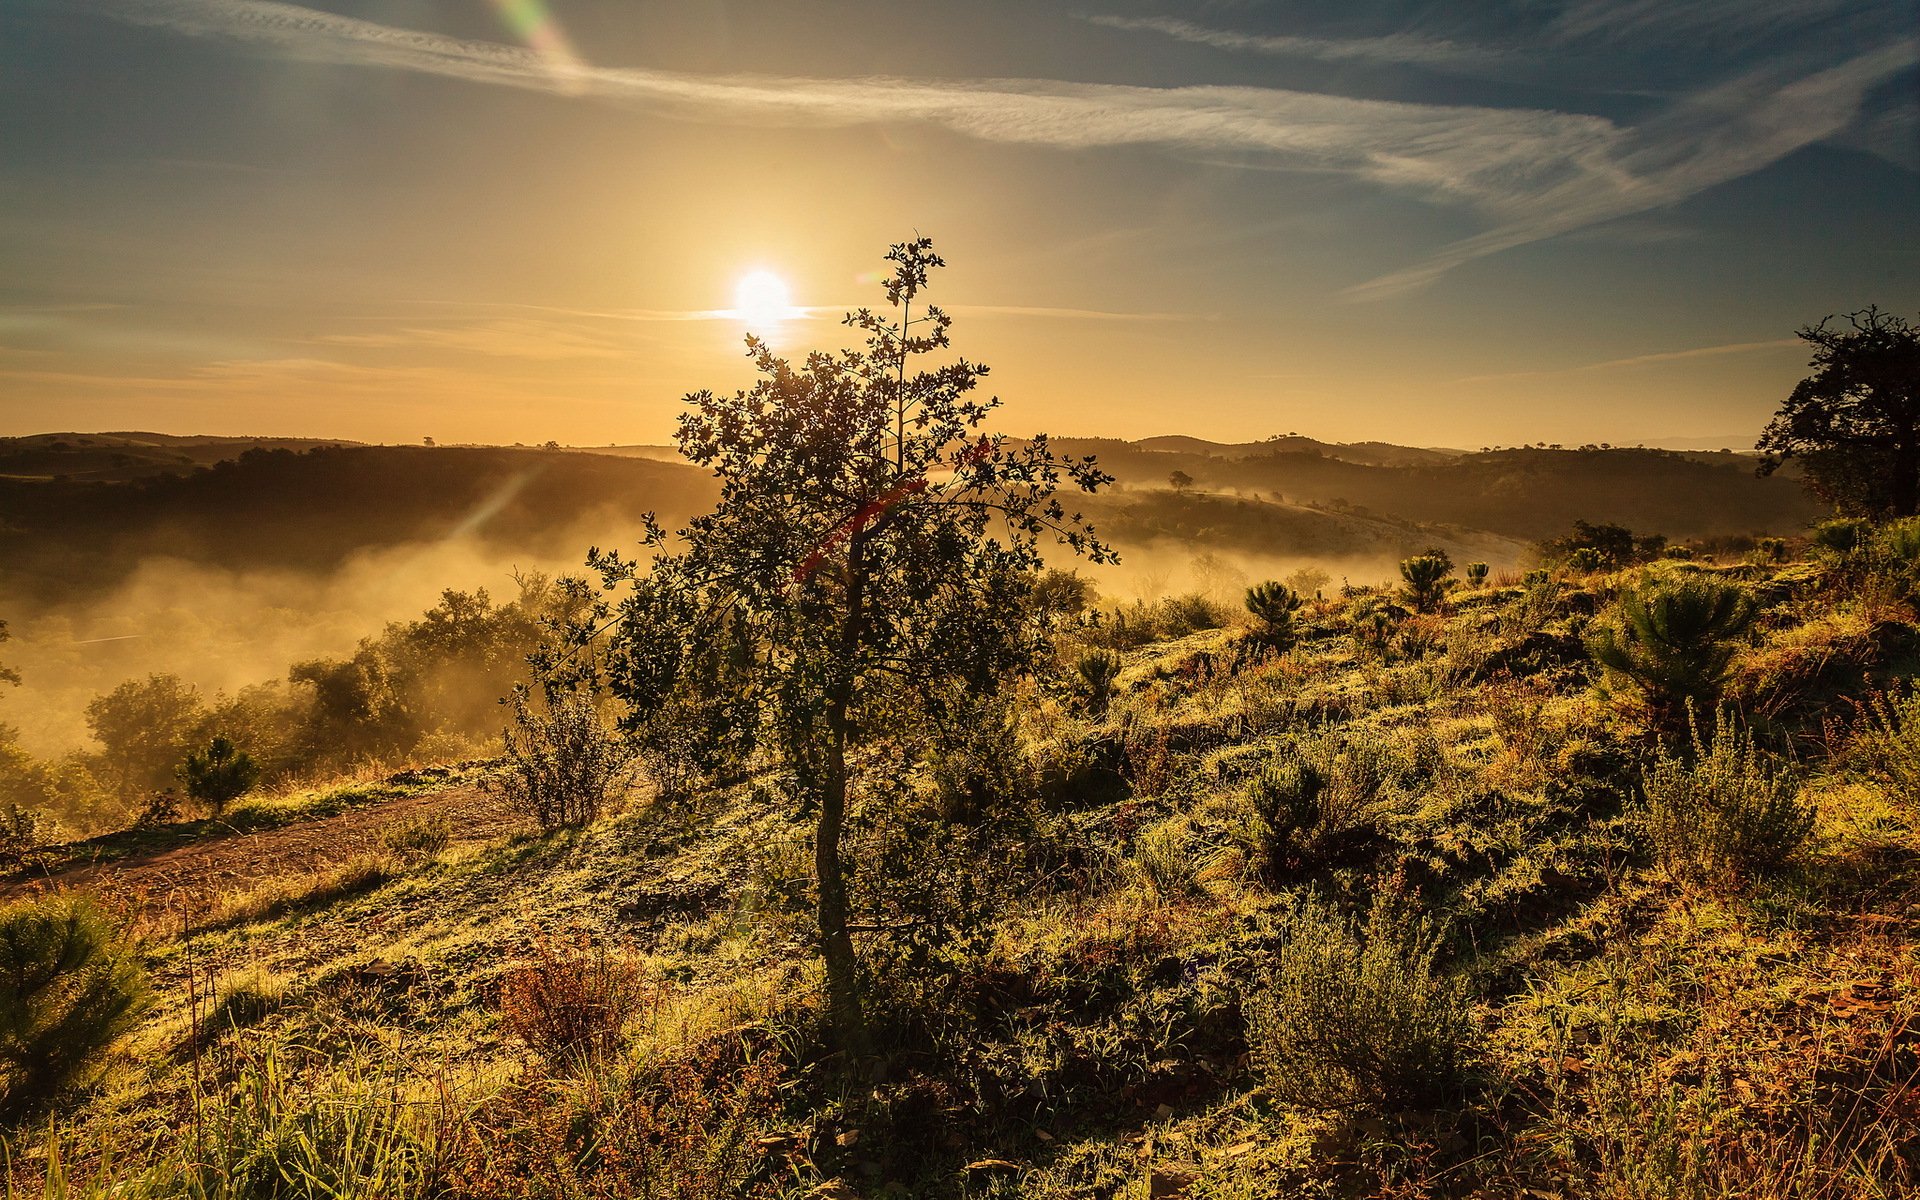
(532, 23)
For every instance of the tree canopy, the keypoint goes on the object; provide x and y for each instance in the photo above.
(1854, 423)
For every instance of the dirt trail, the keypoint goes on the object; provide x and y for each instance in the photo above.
(194, 876)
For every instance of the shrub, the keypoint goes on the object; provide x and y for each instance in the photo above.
(1098, 670)
(1426, 580)
(1674, 640)
(1163, 857)
(1274, 606)
(1721, 816)
(220, 774)
(570, 1006)
(69, 986)
(1477, 574)
(418, 838)
(1840, 538)
(1285, 804)
(22, 831)
(1888, 743)
(563, 765)
(1355, 1014)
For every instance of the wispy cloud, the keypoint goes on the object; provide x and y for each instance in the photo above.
(1638, 360)
(1534, 173)
(1402, 48)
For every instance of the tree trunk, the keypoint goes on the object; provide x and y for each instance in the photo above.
(836, 943)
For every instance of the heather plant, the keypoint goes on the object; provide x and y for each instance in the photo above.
(1356, 1014)
(1722, 815)
(564, 766)
(69, 987)
(571, 1004)
(1674, 640)
(1425, 576)
(1275, 609)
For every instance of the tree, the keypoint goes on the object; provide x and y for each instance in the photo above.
(7, 674)
(1274, 605)
(880, 550)
(220, 774)
(144, 727)
(1426, 580)
(1855, 422)
(1180, 480)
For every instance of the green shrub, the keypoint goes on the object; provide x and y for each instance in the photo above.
(1477, 574)
(1426, 579)
(1355, 1014)
(1888, 744)
(1674, 640)
(563, 765)
(1285, 811)
(69, 986)
(1274, 607)
(219, 775)
(1840, 538)
(1098, 672)
(1720, 816)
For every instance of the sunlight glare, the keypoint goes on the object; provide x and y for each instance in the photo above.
(762, 301)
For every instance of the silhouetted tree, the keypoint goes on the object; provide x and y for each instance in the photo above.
(1855, 422)
(878, 547)
(1180, 480)
(7, 674)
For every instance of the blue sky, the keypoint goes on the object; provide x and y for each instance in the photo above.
(1447, 224)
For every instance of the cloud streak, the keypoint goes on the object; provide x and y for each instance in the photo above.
(1638, 360)
(1399, 48)
(1534, 173)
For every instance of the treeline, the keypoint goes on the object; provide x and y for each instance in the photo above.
(425, 689)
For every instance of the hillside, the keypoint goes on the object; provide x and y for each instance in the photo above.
(1524, 494)
(1101, 1008)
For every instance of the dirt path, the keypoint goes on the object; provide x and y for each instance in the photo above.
(194, 876)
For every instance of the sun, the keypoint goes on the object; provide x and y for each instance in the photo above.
(762, 301)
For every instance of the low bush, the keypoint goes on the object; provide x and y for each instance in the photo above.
(1674, 639)
(69, 987)
(1356, 1015)
(570, 1005)
(1275, 610)
(564, 766)
(1096, 675)
(1721, 815)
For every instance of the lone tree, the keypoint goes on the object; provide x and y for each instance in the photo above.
(1855, 422)
(878, 547)
(1180, 481)
(220, 774)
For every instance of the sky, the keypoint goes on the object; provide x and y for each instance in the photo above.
(1452, 224)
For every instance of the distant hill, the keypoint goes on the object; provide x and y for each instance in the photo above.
(80, 511)
(282, 509)
(1527, 494)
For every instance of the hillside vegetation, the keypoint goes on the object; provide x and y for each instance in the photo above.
(1340, 898)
